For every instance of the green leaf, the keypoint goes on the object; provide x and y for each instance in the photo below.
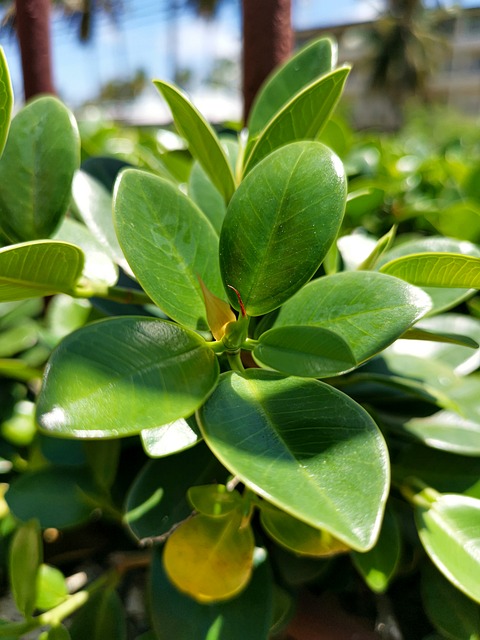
(298, 537)
(206, 196)
(309, 460)
(175, 615)
(445, 430)
(53, 495)
(442, 298)
(39, 268)
(280, 224)
(302, 118)
(19, 338)
(25, 557)
(310, 62)
(168, 242)
(157, 500)
(312, 352)
(455, 616)
(383, 245)
(93, 203)
(367, 310)
(51, 587)
(170, 438)
(436, 270)
(209, 558)
(138, 373)
(459, 335)
(99, 267)
(36, 169)
(378, 566)
(102, 617)
(450, 532)
(103, 458)
(202, 140)
(6, 100)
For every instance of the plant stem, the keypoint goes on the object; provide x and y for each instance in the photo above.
(115, 294)
(235, 362)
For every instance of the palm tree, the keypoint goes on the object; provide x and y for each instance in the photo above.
(405, 52)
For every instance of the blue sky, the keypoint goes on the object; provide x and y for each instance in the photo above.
(142, 40)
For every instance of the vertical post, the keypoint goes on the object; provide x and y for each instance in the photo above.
(33, 31)
(267, 42)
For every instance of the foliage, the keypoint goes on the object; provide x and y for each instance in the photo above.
(235, 377)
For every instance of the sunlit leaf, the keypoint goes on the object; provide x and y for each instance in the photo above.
(39, 268)
(450, 532)
(6, 100)
(280, 224)
(309, 62)
(168, 243)
(302, 118)
(51, 587)
(310, 460)
(36, 169)
(210, 559)
(25, 557)
(202, 140)
(367, 310)
(138, 373)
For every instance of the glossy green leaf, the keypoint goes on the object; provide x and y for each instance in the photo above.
(280, 224)
(51, 587)
(367, 310)
(93, 203)
(102, 617)
(455, 616)
(98, 267)
(206, 196)
(442, 298)
(157, 498)
(450, 532)
(39, 268)
(168, 242)
(445, 430)
(6, 100)
(25, 557)
(308, 351)
(170, 438)
(36, 169)
(175, 615)
(210, 559)
(138, 373)
(302, 118)
(298, 537)
(378, 566)
(201, 138)
(462, 359)
(310, 460)
(55, 496)
(310, 62)
(436, 270)
(383, 245)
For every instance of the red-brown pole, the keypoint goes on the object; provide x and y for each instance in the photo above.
(33, 31)
(267, 42)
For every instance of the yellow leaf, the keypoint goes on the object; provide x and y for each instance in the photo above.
(219, 313)
(210, 559)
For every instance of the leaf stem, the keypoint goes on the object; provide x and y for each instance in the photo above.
(123, 295)
(235, 362)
